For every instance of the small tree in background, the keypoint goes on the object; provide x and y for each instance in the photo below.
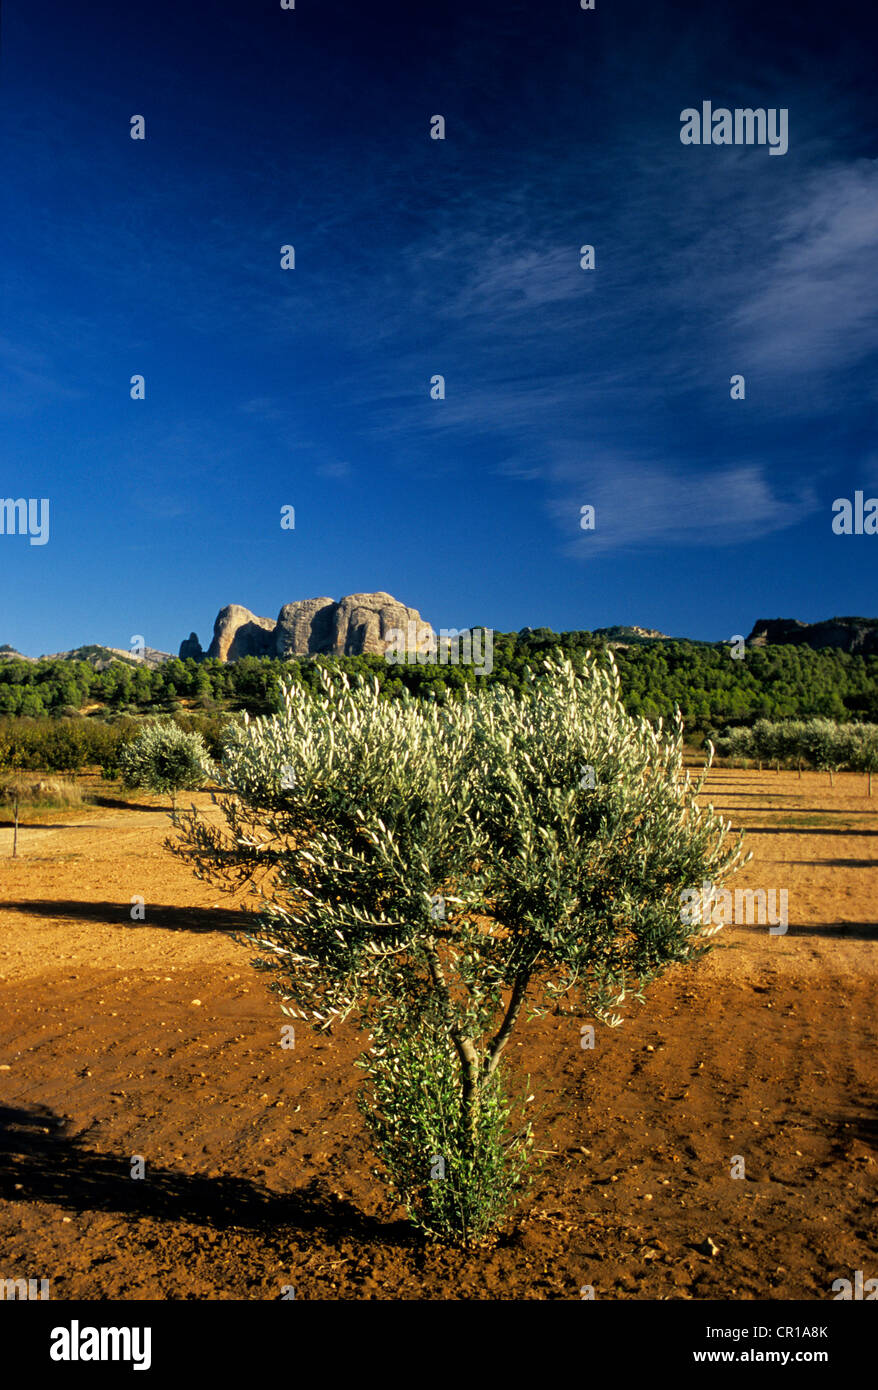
(438, 868)
(767, 739)
(826, 745)
(864, 753)
(794, 742)
(736, 744)
(13, 791)
(166, 759)
(20, 791)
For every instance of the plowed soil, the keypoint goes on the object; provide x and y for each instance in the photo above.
(154, 1047)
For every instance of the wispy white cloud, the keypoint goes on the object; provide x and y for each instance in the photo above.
(814, 305)
(648, 503)
(337, 470)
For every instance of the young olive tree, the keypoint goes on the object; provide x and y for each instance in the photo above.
(736, 744)
(864, 750)
(438, 869)
(14, 791)
(768, 742)
(166, 759)
(794, 742)
(825, 745)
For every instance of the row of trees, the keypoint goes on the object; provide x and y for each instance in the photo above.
(814, 743)
(709, 687)
(70, 745)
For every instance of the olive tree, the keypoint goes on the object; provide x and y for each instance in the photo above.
(15, 790)
(437, 871)
(768, 742)
(166, 759)
(737, 744)
(826, 746)
(864, 751)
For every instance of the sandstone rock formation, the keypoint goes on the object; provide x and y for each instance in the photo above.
(190, 646)
(355, 624)
(363, 623)
(305, 627)
(237, 632)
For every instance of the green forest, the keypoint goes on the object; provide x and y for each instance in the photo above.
(71, 705)
(711, 688)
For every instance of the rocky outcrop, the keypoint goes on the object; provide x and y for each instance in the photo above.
(856, 635)
(191, 647)
(363, 623)
(305, 627)
(355, 624)
(237, 632)
(627, 631)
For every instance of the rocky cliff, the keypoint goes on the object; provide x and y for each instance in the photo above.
(355, 624)
(856, 635)
(237, 632)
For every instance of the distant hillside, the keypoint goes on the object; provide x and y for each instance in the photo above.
(358, 624)
(784, 680)
(618, 636)
(101, 657)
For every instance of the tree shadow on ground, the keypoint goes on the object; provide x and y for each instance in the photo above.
(115, 804)
(803, 830)
(40, 825)
(860, 931)
(832, 863)
(798, 810)
(756, 796)
(860, 1125)
(160, 915)
(40, 1163)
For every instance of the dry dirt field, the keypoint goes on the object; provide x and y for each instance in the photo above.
(158, 1040)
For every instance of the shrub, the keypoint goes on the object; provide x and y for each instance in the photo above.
(436, 868)
(56, 745)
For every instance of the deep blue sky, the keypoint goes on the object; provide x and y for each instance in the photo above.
(414, 257)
